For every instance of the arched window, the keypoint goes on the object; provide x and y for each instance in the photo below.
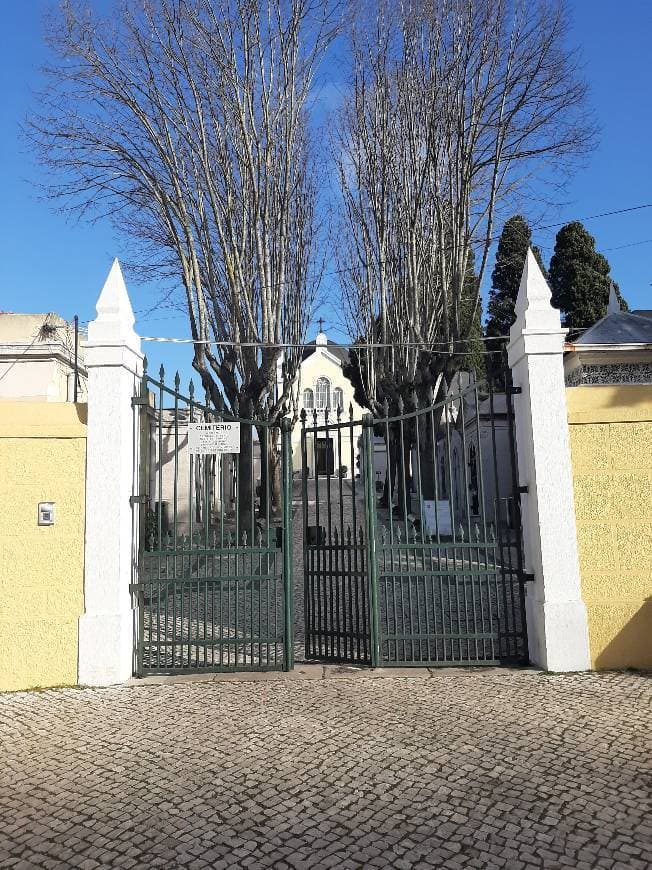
(443, 491)
(323, 390)
(456, 497)
(473, 479)
(308, 399)
(338, 398)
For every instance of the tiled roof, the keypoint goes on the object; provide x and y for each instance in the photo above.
(619, 328)
(341, 353)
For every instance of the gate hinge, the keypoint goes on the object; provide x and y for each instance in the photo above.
(139, 400)
(138, 499)
(524, 489)
(527, 578)
(515, 391)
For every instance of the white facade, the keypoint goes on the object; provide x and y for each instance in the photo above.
(37, 359)
(321, 385)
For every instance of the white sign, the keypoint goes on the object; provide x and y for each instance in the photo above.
(214, 438)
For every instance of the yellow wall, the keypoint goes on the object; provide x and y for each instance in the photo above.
(611, 445)
(42, 458)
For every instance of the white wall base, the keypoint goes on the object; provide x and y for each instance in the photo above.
(105, 648)
(558, 638)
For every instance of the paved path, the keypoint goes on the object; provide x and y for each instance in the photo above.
(450, 769)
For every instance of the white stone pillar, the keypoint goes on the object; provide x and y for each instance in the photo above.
(114, 361)
(556, 616)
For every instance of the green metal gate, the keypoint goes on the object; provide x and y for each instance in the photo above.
(430, 571)
(213, 584)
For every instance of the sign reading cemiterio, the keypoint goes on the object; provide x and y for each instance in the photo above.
(214, 438)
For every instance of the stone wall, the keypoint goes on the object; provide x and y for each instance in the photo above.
(42, 458)
(611, 445)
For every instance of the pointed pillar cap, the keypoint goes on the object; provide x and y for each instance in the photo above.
(533, 309)
(115, 319)
(613, 307)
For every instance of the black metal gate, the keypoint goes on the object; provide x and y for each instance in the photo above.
(213, 586)
(414, 557)
(335, 557)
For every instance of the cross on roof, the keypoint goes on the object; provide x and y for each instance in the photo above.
(321, 324)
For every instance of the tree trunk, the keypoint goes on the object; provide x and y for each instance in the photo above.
(270, 472)
(392, 451)
(244, 490)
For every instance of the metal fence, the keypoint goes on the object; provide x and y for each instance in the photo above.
(214, 574)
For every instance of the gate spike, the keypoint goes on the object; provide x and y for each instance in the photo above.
(350, 410)
(191, 390)
(414, 533)
(244, 537)
(326, 415)
(348, 535)
(385, 407)
(414, 399)
(314, 416)
(401, 405)
(398, 534)
(383, 535)
(177, 381)
(335, 537)
(461, 531)
(145, 364)
(303, 416)
(229, 540)
(492, 533)
(161, 373)
(431, 395)
(361, 535)
(477, 532)
(259, 536)
(339, 413)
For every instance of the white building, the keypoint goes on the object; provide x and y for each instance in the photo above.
(37, 359)
(322, 385)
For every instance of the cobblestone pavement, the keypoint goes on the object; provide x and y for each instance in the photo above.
(450, 769)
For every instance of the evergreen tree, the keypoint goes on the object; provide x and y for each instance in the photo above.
(514, 241)
(579, 278)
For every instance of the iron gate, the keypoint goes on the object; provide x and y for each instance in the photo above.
(213, 589)
(335, 554)
(414, 557)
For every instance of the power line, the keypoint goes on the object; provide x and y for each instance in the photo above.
(331, 345)
(629, 245)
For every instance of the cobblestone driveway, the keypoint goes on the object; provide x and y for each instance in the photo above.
(450, 769)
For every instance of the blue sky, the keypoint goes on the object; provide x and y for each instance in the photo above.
(49, 264)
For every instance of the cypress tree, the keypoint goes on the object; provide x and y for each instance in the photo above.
(580, 278)
(514, 241)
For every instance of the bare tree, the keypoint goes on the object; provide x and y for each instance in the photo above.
(186, 122)
(454, 105)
